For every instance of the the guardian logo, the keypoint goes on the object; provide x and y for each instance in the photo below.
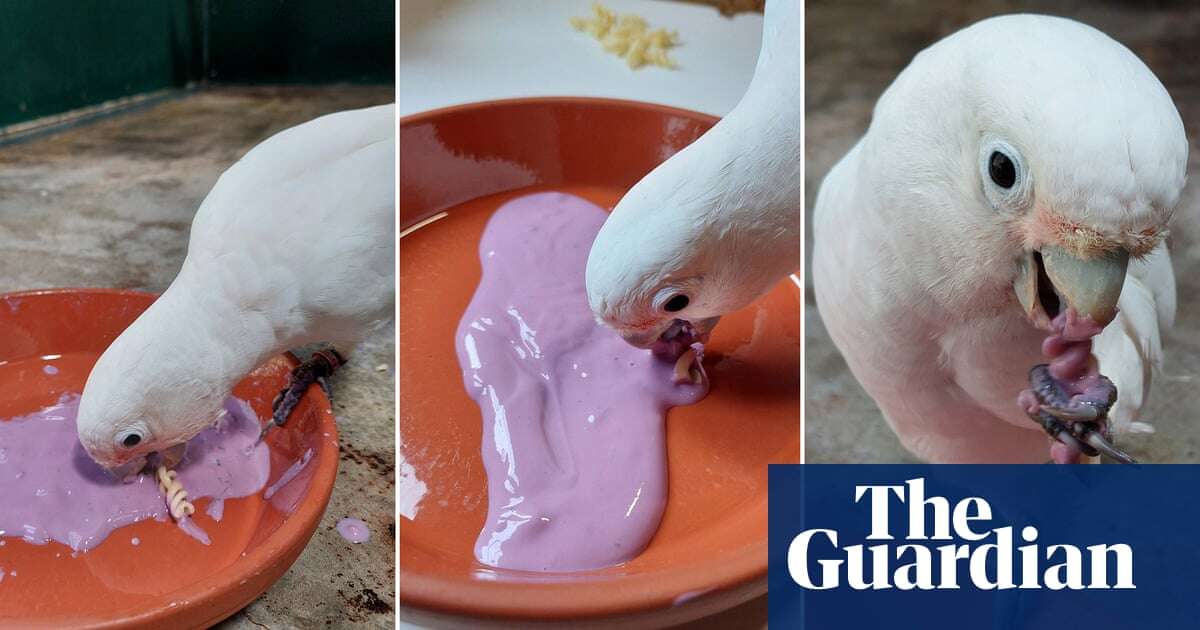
(988, 557)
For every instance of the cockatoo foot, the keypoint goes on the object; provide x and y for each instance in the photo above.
(316, 369)
(1078, 422)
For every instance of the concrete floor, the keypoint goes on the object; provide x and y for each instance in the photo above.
(853, 51)
(108, 204)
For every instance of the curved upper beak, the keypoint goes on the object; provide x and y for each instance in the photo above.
(1052, 280)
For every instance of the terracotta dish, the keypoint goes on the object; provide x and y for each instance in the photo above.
(710, 551)
(168, 580)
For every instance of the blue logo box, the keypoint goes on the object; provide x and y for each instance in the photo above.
(984, 547)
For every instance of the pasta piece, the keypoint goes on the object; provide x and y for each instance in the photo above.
(686, 369)
(177, 503)
(628, 37)
(602, 20)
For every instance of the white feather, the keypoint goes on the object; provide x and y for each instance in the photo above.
(720, 220)
(1130, 349)
(914, 258)
(294, 245)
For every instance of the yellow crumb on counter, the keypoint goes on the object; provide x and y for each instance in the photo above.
(629, 37)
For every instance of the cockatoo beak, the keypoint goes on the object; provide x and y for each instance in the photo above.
(644, 338)
(128, 470)
(1052, 280)
(668, 330)
(704, 327)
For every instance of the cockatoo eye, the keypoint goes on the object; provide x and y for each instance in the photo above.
(1006, 182)
(1002, 170)
(130, 439)
(676, 303)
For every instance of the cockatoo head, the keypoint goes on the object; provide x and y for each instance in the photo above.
(654, 290)
(1040, 156)
(669, 261)
(141, 399)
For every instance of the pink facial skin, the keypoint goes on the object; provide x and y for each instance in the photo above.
(573, 417)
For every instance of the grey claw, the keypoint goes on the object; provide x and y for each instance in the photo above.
(1066, 438)
(1098, 442)
(1061, 432)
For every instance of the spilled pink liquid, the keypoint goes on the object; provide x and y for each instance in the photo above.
(50, 490)
(573, 417)
(354, 530)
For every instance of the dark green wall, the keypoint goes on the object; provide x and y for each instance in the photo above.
(302, 41)
(59, 55)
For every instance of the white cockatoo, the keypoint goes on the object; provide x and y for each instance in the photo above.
(294, 245)
(1020, 170)
(718, 224)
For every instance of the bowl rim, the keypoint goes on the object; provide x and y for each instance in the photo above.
(608, 596)
(431, 114)
(261, 566)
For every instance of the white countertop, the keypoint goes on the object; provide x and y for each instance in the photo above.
(453, 52)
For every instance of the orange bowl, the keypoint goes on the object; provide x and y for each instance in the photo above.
(710, 552)
(169, 580)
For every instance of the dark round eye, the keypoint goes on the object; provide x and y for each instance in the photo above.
(1002, 170)
(676, 303)
(131, 440)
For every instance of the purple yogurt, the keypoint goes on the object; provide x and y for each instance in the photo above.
(573, 417)
(51, 490)
(354, 530)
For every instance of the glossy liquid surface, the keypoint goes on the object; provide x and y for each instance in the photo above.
(574, 417)
(52, 491)
(137, 567)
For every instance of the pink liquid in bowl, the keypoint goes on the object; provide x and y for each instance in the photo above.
(574, 436)
(50, 490)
